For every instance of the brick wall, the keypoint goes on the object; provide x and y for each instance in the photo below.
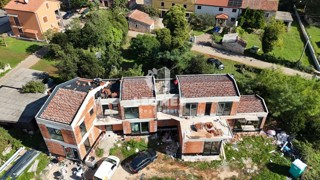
(152, 126)
(82, 151)
(201, 108)
(121, 112)
(55, 148)
(192, 147)
(162, 123)
(234, 108)
(117, 127)
(137, 26)
(214, 108)
(263, 122)
(68, 137)
(147, 112)
(231, 123)
(44, 131)
(126, 127)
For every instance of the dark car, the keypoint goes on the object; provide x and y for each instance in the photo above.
(218, 64)
(141, 160)
(68, 15)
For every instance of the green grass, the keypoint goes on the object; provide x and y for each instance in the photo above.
(258, 148)
(291, 48)
(122, 151)
(314, 32)
(16, 51)
(46, 66)
(200, 32)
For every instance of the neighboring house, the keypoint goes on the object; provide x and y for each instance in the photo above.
(231, 9)
(164, 5)
(285, 17)
(140, 21)
(204, 109)
(234, 43)
(32, 18)
(18, 109)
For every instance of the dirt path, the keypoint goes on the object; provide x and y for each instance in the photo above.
(26, 63)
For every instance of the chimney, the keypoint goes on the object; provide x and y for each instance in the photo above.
(26, 1)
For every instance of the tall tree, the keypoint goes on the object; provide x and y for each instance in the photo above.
(251, 18)
(164, 37)
(272, 35)
(75, 4)
(175, 20)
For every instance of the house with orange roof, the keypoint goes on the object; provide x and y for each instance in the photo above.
(226, 12)
(200, 111)
(32, 18)
(140, 21)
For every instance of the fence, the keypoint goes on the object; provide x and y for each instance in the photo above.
(305, 35)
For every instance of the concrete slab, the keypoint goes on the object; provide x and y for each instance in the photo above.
(22, 76)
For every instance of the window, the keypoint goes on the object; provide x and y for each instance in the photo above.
(244, 122)
(86, 144)
(234, 10)
(71, 153)
(190, 109)
(187, 15)
(233, 19)
(173, 4)
(47, 5)
(140, 128)
(224, 108)
(131, 112)
(55, 134)
(91, 112)
(16, 21)
(20, 30)
(162, 3)
(83, 129)
(185, 6)
(45, 19)
(266, 15)
(211, 148)
(199, 7)
(220, 9)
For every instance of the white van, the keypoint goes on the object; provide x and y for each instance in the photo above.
(107, 168)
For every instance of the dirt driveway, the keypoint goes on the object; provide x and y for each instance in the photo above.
(166, 167)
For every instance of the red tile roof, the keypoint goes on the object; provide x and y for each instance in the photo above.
(266, 5)
(63, 106)
(20, 5)
(251, 104)
(222, 16)
(195, 86)
(221, 3)
(141, 17)
(137, 88)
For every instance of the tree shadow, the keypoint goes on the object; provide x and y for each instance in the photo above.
(33, 48)
(279, 169)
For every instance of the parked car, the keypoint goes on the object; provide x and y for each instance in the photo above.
(216, 62)
(141, 160)
(68, 15)
(107, 168)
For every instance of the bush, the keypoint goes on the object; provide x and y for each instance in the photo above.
(33, 87)
(99, 152)
(123, 152)
(2, 64)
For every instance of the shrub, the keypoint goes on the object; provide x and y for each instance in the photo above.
(99, 152)
(33, 87)
(2, 64)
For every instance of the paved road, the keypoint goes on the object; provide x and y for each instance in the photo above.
(239, 58)
(246, 60)
(26, 63)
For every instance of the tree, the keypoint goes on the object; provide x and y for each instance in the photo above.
(272, 35)
(3, 3)
(197, 65)
(119, 3)
(164, 37)
(153, 12)
(33, 87)
(144, 46)
(201, 21)
(177, 23)
(75, 4)
(251, 18)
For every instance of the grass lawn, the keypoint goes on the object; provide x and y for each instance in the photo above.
(43, 162)
(292, 45)
(46, 66)
(17, 50)
(314, 32)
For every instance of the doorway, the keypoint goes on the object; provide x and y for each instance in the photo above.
(208, 109)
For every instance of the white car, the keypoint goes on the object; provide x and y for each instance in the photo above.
(107, 168)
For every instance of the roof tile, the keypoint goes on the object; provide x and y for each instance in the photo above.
(250, 104)
(137, 88)
(141, 17)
